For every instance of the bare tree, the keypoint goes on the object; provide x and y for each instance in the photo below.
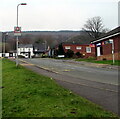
(94, 27)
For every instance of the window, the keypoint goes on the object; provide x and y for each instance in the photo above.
(67, 47)
(78, 47)
(88, 49)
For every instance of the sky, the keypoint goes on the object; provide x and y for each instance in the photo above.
(55, 15)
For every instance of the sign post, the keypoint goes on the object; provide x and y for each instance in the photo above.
(111, 41)
(17, 33)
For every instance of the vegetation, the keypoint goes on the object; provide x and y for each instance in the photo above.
(92, 60)
(69, 53)
(27, 94)
(94, 27)
(79, 55)
(60, 50)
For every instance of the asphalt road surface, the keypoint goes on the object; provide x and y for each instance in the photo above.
(98, 84)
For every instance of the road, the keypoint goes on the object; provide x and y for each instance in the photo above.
(99, 85)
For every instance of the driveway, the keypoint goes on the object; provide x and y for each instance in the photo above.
(96, 83)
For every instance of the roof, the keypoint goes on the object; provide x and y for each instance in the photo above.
(40, 47)
(25, 46)
(110, 34)
(71, 43)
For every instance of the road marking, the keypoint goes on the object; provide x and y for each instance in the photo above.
(27, 64)
(67, 70)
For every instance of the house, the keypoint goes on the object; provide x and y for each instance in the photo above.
(85, 49)
(40, 49)
(108, 45)
(25, 50)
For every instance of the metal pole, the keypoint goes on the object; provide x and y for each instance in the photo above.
(113, 52)
(5, 37)
(4, 43)
(17, 40)
(17, 51)
(17, 37)
(17, 14)
(45, 45)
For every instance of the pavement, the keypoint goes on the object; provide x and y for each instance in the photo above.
(103, 94)
(93, 64)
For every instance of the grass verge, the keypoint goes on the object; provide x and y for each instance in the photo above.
(110, 62)
(27, 94)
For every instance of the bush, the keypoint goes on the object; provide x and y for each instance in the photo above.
(79, 55)
(69, 53)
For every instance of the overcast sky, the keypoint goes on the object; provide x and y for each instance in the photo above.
(56, 14)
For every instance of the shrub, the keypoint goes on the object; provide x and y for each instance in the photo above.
(69, 53)
(78, 54)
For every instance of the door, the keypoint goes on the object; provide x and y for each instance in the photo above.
(98, 51)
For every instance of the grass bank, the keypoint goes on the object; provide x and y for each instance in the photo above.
(27, 94)
(110, 62)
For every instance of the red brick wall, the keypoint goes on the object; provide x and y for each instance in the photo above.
(117, 44)
(109, 57)
(107, 49)
(82, 50)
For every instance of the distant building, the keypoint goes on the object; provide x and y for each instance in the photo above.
(86, 50)
(104, 47)
(40, 49)
(25, 50)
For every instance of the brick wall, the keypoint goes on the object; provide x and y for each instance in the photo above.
(109, 57)
(82, 50)
(107, 49)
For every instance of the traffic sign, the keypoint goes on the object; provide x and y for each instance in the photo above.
(17, 31)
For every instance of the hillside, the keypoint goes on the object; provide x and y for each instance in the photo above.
(51, 37)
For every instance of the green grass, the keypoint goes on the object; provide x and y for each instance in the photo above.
(117, 62)
(27, 94)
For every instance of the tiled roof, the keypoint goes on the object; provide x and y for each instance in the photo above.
(40, 47)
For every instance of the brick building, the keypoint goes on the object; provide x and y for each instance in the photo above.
(85, 50)
(108, 45)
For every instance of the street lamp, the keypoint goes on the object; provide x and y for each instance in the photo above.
(18, 35)
(17, 10)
